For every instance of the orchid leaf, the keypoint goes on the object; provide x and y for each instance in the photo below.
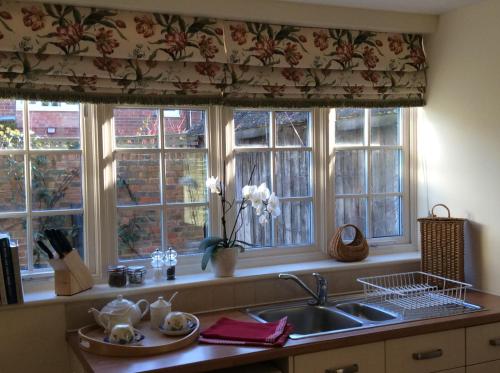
(209, 241)
(209, 251)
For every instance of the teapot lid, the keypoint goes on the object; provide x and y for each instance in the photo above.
(119, 303)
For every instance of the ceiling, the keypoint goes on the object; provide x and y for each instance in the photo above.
(411, 6)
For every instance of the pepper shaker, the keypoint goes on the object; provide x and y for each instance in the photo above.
(170, 261)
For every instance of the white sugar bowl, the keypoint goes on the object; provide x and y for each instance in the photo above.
(159, 310)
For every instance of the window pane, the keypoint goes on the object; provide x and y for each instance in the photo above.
(16, 229)
(139, 233)
(350, 211)
(350, 177)
(245, 163)
(184, 128)
(186, 174)
(386, 217)
(12, 193)
(292, 128)
(386, 174)
(293, 174)
(70, 225)
(251, 128)
(349, 126)
(54, 125)
(294, 225)
(385, 126)
(136, 127)
(56, 181)
(251, 231)
(186, 227)
(11, 124)
(138, 178)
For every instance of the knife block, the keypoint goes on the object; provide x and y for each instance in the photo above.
(71, 275)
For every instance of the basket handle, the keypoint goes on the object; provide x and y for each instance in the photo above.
(356, 229)
(440, 204)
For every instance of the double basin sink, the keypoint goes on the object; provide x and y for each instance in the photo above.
(310, 320)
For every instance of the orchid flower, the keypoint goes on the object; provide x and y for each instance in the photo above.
(213, 183)
(273, 206)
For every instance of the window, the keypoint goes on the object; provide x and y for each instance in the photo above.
(155, 161)
(160, 165)
(41, 176)
(371, 172)
(278, 144)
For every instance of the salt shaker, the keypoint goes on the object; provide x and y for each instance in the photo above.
(157, 264)
(159, 310)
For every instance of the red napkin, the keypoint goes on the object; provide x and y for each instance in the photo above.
(228, 331)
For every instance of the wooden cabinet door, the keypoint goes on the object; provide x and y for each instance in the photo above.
(456, 370)
(483, 343)
(491, 367)
(367, 358)
(426, 353)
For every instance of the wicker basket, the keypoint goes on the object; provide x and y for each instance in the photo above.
(352, 252)
(443, 245)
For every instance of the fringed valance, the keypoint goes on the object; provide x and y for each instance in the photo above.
(98, 55)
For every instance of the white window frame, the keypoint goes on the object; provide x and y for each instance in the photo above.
(408, 193)
(109, 235)
(87, 185)
(280, 254)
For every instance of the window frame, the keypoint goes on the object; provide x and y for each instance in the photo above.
(87, 186)
(109, 235)
(408, 185)
(270, 254)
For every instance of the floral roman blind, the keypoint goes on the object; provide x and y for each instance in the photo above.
(100, 55)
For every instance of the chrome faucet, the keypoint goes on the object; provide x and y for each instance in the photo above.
(321, 295)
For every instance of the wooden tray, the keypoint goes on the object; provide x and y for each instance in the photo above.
(91, 339)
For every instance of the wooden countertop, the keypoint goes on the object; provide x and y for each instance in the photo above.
(204, 357)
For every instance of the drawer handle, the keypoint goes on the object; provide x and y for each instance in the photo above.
(347, 369)
(428, 354)
(495, 342)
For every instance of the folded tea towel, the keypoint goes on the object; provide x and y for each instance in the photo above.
(244, 333)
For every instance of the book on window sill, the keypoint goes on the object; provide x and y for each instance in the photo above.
(3, 293)
(12, 283)
(17, 274)
(8, 270)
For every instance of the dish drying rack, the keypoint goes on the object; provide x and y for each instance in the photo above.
(416, 291)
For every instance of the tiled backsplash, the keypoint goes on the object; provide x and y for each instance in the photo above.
(203, 298)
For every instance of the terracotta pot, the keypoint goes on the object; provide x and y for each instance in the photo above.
(224, 261)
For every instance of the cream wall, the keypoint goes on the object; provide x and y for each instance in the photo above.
(459, 132)
(277, 12)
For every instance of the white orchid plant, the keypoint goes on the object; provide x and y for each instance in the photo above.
(265, 203)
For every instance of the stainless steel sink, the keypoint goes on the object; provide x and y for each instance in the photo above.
(366, 312)
(344, 314)
(308, 320)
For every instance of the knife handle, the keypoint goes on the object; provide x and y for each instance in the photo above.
(45, 249)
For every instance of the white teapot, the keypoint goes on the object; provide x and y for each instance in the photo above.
(119, 311)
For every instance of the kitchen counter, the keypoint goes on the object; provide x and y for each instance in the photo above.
(204, 357)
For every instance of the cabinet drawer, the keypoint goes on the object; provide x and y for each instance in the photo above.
(367, 358)
(456, 370)
(426, 353)
(491, 367)
(479, 348)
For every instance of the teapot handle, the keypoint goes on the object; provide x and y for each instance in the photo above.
(146, 309)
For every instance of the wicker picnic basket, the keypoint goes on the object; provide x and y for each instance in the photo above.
(443, 245)
(354, 251)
